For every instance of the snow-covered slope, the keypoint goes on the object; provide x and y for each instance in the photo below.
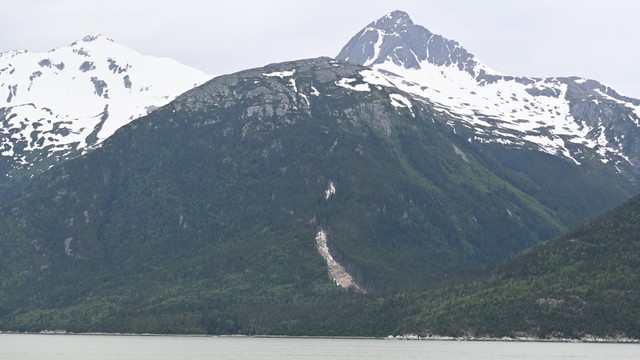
(70, 99)
(570, 117)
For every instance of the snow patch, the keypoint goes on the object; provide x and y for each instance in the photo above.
(553, 146)
(347, 83)
(331, 190)
(280, 74)
(374, 78)
(400, 101)
(305, 98)
(634, 108)
(376, 47)
(461, 154)
(533, 110)
(292, 83)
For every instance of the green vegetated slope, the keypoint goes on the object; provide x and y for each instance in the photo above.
(202, 216)
(575, 192)
(585, 282)
(582, 284)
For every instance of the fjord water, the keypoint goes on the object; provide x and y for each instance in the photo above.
(111, 347)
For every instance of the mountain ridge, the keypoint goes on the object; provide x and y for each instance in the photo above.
(66, 101)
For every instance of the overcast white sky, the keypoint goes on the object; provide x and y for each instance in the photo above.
(598, 39)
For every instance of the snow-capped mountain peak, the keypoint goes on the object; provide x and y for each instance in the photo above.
(570, 117)
(72, 98)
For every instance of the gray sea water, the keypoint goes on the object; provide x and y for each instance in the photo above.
(111, 347)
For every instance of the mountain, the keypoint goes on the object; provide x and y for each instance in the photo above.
(66, 101)
(265, 187)
(590, 130)
(316, 197)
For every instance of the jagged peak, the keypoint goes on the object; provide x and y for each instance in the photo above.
(394, 38)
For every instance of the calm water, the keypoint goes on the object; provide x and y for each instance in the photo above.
(108, 347)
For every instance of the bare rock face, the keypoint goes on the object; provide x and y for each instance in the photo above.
(395, 38)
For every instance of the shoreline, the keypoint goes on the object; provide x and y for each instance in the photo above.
(587, 339)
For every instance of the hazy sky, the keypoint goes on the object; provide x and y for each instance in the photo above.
(598, 39)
